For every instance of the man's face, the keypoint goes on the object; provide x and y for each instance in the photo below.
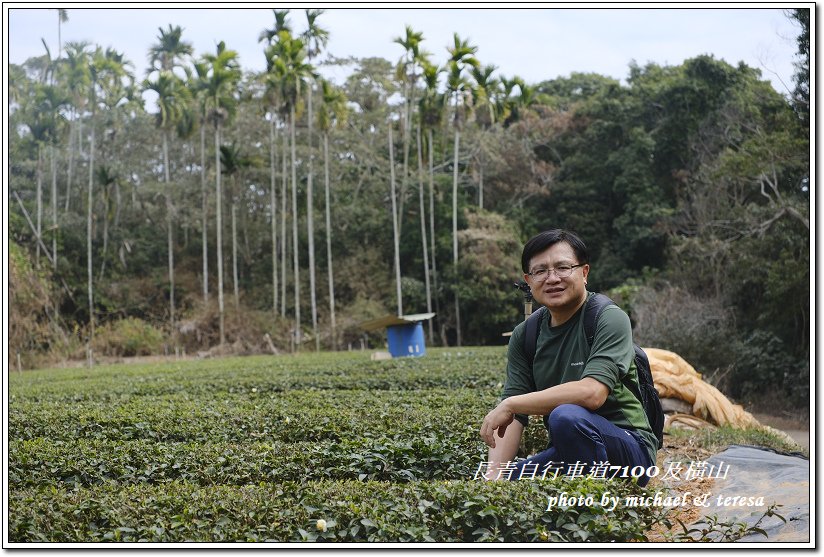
(558, 293)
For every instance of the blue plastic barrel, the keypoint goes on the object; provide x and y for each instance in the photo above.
(406, 340)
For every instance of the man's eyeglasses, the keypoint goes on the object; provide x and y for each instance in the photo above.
(561, 271)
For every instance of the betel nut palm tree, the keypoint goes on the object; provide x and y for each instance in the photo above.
(406, 74)
(270, 96)
(46, 123)
(422, 211)
(281, 24)
(196, 82)
(431, 111)
(173, 100)
(461, 54)
(333, 111)
(45, 67)
(107, 69)
(289, 71)
(75, 73)
(483, 94)
(118, 99)
(222, 76)
(409, 70)
(233, 163)
(273, 101)
(315, 39)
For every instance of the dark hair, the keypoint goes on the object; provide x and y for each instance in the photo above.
(548, 238)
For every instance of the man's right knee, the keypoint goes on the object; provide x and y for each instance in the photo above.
(566, 414)
(568, 423)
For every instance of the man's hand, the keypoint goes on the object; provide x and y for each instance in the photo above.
(497, 419)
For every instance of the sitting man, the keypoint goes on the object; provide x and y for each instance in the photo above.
(591, 415)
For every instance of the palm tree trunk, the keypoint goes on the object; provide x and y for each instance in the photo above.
(103, 252)
(54, 205)
(204, 213)
(283, 243)
(89, 245)
(395, 223)
(407, 133)
(273, 211)
(118, 204)
(310, 225)
(423, 230)
(219, 225)
(329, 241)
(39, 200)
(431, 151)
(72, 131)
(295, 228)
(170, 239)
(455, 231)
(80, 135)
(234, 254)
(402, 196)
(244, 228)
(79, 148)
(481, 182)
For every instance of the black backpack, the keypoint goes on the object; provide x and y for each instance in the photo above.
(647, 394)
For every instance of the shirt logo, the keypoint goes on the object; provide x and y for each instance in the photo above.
(576, 364)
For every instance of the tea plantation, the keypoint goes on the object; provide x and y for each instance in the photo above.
(263, 448)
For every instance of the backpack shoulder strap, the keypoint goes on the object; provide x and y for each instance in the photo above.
(533, 329)
(592, 312)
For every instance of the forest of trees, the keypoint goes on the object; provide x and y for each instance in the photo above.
(251, 212)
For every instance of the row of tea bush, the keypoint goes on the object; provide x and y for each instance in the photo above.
(261, 448)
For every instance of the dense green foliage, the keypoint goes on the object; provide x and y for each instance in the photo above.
(802, 77)
(432, 511)
(690, 183)
(260, 448)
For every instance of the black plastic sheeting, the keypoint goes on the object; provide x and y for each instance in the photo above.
(778, 478)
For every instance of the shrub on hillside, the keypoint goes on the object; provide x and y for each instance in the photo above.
(128, 337)
(34, 332)
(245, 330)
(764, 360)
(700, 330)
(703, 330)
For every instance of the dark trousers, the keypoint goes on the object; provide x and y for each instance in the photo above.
(580, 436)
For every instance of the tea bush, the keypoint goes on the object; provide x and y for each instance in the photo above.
(444, 511)
(260, 448)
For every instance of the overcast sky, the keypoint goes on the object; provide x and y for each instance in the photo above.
(536, 44)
